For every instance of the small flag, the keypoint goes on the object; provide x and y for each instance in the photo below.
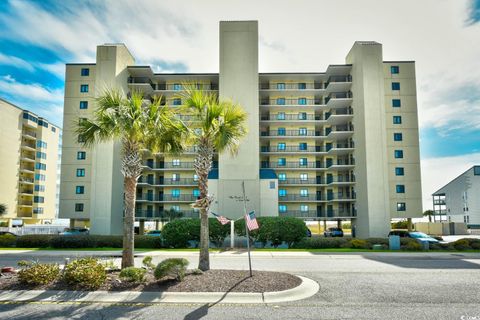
(251, 221)
(221, 219)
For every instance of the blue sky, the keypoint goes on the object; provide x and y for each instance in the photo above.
(38, 37)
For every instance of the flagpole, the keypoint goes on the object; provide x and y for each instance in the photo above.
(246, 227)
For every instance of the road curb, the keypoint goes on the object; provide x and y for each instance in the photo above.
(306, 289)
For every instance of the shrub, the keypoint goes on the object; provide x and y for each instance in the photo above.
(178, 233)
(133, 274)
(275, 229)
(39, 274)
(86, 273)
(359, 244)
(24, 263)
(383, 241)
(461, 244)
(34, 241)
(412, 246)
(173, 267)
(148, 242)
(402, 224)
(62, 242)
(7, 240)
(147, 262)
(321, 243)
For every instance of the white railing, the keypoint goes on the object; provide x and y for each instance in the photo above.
(44, 229)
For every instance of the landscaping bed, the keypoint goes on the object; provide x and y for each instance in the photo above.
(209, 281)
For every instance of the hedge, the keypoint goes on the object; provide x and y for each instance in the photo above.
(178, 233)
(84, 241)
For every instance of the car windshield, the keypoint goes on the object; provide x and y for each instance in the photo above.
(418, 235)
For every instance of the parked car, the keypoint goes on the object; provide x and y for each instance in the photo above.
(309, 233)
(419, 236)
(155, 233)
(75, 232)
(333, 232)
(2, 233)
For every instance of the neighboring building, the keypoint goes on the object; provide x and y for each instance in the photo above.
(335, 145)
(28, 165)
(459, 200)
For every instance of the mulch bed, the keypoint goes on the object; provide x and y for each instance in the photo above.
(209, 281)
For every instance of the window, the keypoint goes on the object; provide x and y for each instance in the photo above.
(177, 86)
(401, 206)
(84, 88)
(41, 144)
(80, 138)
(39, 177)
(80, 172)
(304, 176)
(399, 171)
(304, 192)
(85, 72)
(79, 190)
(175, 162)
(281, 116)
(282, 192)
(281, 146)
(78, 207)
(39, 188)
(282, 161)
(282, 176)
(397, 119)
(40, 166)
(302, 86)
(302, 131)
(43, 123)
(195, 177)
(395, 86)
(196, 193)
(302, 161)
(400, 188)
(176, 177)
(281, 101)
(302, 116)
(282, 208)
(54, 129)
(38, 199)
(281, 131)
(81, 155)
(280, 86)
(396, 103)
(175, 193)
(272, 185)
(302, 146)
(41, 155)
(28, 116)
(83, 105)
(302, 101)
(394, 70)
(303, 208)
(397, 136)
(476, 170)
(175, 208)
(37, 210)
(177, 102)
(398, 154)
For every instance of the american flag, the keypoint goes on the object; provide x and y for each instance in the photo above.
(221, 219)
(251, 220)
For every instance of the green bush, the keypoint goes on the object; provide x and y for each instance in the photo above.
(7, 240)
(85, 273)
(133, 274)
(321, 243)
(383, 241)
(178, 233)
(24, 263)
(148, 242)
(275, 229)
(147, 262)
(462, 244)
(35, 240)
(359, 244)
(412, 246)
(39, 274)
(173, 267)
(402, 224)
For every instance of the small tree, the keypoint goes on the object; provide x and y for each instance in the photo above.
(3, 209)
(429, 214)
(140, 126)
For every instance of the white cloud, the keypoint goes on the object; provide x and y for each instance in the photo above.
(437, 172)
(15, 62)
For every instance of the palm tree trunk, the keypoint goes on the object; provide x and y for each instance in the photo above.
(131, 170)
(202, 165)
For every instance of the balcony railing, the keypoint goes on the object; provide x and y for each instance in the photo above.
(291, 116)
(292, 86)
(29, 133)
(300, 181)
(346, 78)
(26, 191)
(165, 215)
(179, 87)
(296, 165)
(338, 95)
(439, 202)
(171, 165)
(25, 203)
(292, 133)
(300, 197)
(340, 179)
(299, 213)
(24, 179)
(166, 197)
(292, 149)
(168, 181)
(290, 102)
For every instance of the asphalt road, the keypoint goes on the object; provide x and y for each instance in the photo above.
(352, 286)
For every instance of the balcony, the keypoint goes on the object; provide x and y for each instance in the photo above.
(340, 180)
(166, 197)
(28, 146)
(295, 181)
(27, 192)
(339, 99)
(25, 180)
(439, 202)
(340, 197)
(293, 149)
(179, 87)
(299, 214)
(339, 83)
(292, 133)
(300, 198)
(292, 165)
(291, 102)
(23, 203)
(29, 134)
(291, 117)
(292, 86)
(167, 182)
(173, 166)
(165, 215)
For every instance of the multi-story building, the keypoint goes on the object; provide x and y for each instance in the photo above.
(335, 145)
(459, 200)
(28, 165)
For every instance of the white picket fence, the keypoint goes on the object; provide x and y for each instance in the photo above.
(35, 229)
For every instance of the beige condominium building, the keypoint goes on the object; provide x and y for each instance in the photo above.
(28, 165)
(335, 145)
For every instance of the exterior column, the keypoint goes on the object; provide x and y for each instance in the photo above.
(409, 224)
(72, 223)
(9, 223)
(157, 225)
(324, 225)
(339, 223)
(141, 228)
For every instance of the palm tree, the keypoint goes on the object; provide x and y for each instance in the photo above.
(429, 214)
(218, 127)
(3, 209)
(140, 126)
